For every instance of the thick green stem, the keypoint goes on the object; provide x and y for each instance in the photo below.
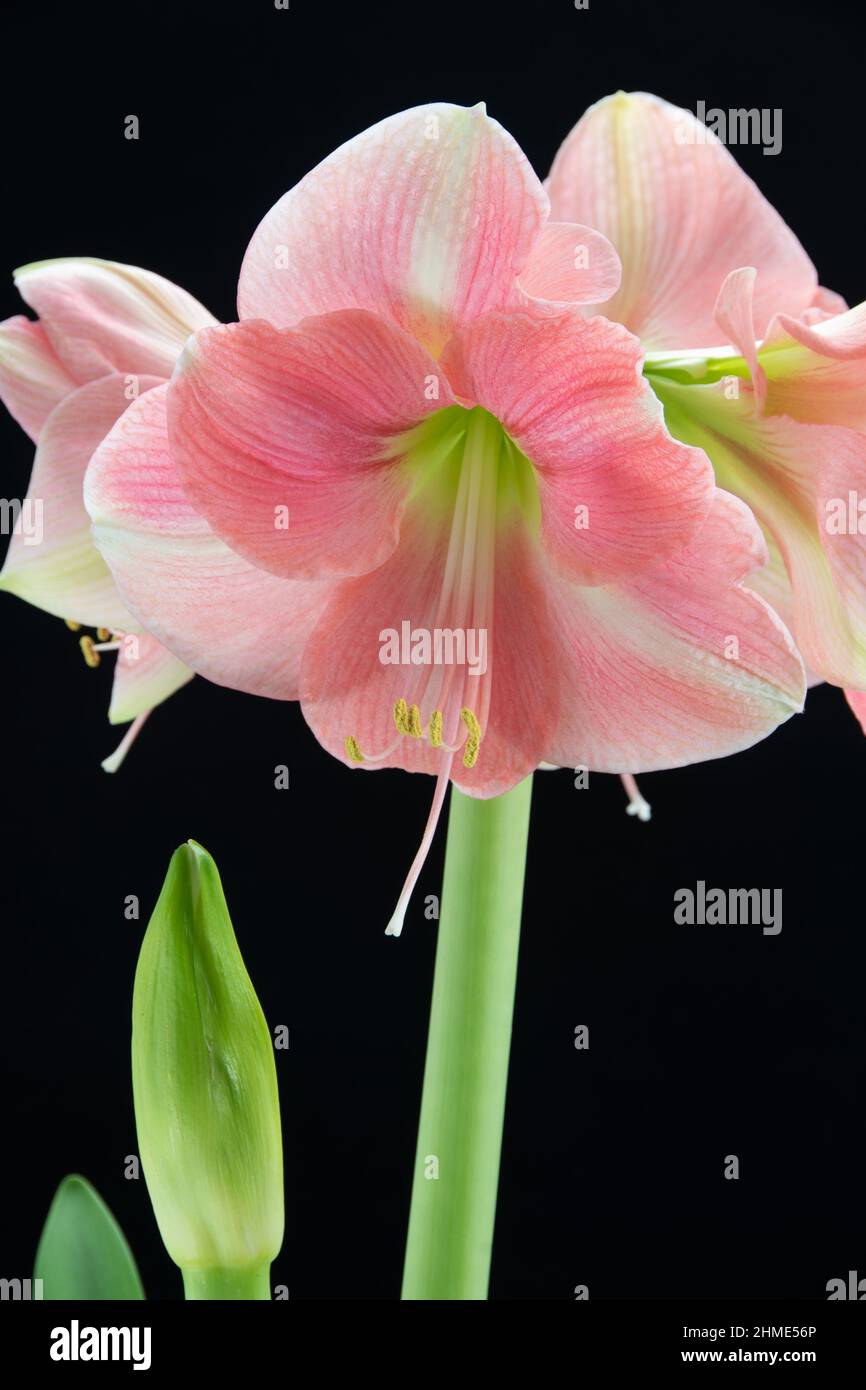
(252, 1283)
(463, 1106)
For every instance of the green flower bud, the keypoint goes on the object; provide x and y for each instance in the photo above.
(205, 1088)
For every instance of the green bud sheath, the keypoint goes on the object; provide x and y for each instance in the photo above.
(205, 1088)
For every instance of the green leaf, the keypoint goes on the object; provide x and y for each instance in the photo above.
(83, 1254)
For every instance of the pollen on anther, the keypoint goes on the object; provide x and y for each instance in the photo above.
(401, 716)
(414, 722)
(91, 656)
(353, 749)
(473, 738)
(434, 733)
(103, 634)
(73, 626)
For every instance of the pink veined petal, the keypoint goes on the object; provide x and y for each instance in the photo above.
(772, 583)
(826, 303)
(677, 666)
(426, 219)
(33, 380)
(857, 701)
(145, 674)
(285, 439)
(347, 691)
(681, 214)
(816, 372)
(104, 317)
(569, 264)
(797, 479)
(842, 336)
(227, 620)
(62, 572)
(735, 317)
(616, 490)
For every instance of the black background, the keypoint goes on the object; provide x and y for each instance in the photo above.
(704, 1041)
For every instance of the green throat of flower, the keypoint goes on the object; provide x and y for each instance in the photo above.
(468, 480)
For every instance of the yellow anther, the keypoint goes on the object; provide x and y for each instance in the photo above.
(103, 634)
(73, 627)
(473, 738)
(353, 749)
(401, 716)
(91, 656)
(434, 733)
(415, 727)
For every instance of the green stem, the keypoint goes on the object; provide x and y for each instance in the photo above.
(463, 1105)
(251, 1283)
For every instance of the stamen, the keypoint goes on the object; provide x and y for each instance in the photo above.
(401, 716)
(473, 738)
(73, 627)
(353, 749)
(637, 805)
(103, 633)
(89, 652)
(434, 732)
(415, 729)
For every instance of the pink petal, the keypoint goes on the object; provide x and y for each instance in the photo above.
(145, 674)
(825, 303)
(772, 583)
(64, 573)
(680, 665)
(33, 380)
(681, 214)
(230, 622)
(736, 318)
(816, 372)
(792, 475)
(298, 426)
(347, 691)
(105, 317)
(570, 264)
(857, 700)
(426, 219)
(616, 490)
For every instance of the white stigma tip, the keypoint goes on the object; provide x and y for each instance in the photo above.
(639, 808)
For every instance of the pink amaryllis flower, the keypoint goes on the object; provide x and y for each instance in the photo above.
(414, 434)
(782, 412)
(106, 334)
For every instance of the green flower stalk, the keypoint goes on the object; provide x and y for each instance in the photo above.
(205, 1089)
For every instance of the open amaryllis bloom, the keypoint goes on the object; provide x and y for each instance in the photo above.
(106, 334)
(418, 489)
(780, 408)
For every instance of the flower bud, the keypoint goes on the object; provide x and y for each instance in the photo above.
(205, 1088)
